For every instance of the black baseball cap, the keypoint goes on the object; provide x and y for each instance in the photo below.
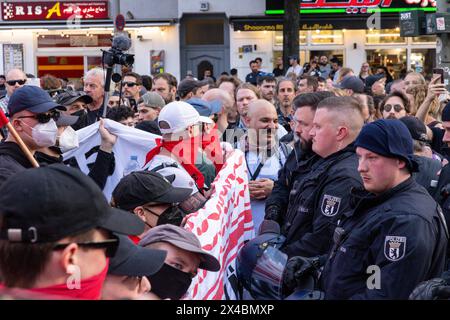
(187, 85)
(50, 203)
(33, 99)
(416, 127)
(135, 261)
(352, 82)
(68, 97)
(141, 187)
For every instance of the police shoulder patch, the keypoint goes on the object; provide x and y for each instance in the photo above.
(330, 205)
(394, 247)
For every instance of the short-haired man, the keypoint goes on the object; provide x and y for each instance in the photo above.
(94, 83)
(15, 79)
(294, 68)
(300, 159)
(307, 84)
(252, 77)
(131, 85)
(266, 85)
(395, 226)
(324, 66)
(286, 90)
(32, 114)
(264, 155)
(57, 242)
(165, 85)
(149, 106)
(185, 257)
(122, 114)
(318, 200)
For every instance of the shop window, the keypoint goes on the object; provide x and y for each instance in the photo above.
(279, 38)
(327, 37)
(377, 36)
(204, 31)
(73, 40)
(423, 60)
(423, 39)
(394, 59)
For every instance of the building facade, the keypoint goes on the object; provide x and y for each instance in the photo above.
(65, 38)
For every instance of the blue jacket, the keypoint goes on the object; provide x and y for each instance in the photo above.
(316, 202)
(400, 232)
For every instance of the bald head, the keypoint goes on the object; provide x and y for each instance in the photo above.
(262, 122)
(222, 96)
(12, 75)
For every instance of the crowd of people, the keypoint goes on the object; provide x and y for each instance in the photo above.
(346, 171)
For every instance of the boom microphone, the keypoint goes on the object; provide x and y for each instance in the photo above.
(121, 42)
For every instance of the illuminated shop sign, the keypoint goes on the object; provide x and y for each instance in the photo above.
(275, 7)
(54, 10)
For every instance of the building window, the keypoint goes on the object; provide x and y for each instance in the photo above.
(279, 38)
(384, 36)
(66, 40)
(394, 59)
(423, 60)
(423, 39)
(204, 31)
(327, 37)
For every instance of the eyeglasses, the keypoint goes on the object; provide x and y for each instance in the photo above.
(110, 245)
(397, 107)
(13, 82)
(44, 117)
(129, 84)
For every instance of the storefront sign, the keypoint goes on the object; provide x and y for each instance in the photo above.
(84, 41)
(59, 10)
(157, 61)
(277, 25)
(275, 7)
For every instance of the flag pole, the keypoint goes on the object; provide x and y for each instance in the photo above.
(5, 122)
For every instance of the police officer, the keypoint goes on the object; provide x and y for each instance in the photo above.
(305, 106)
(318, 199)
(396, 228)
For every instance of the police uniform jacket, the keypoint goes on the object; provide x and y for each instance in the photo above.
(316, 202)
(386, 246)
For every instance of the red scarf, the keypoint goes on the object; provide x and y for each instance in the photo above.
(90, 288)
(185, 151)
(212, 148)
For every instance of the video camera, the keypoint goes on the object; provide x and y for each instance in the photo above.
(116, 55)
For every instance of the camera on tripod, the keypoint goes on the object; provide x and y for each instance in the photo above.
(116, 54)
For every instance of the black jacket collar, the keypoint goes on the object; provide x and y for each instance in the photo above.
(13, 150)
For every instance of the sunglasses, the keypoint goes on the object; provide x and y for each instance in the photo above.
(13, 82)
(44, 117)
(397, 107)
(110, 245)
(129, 84)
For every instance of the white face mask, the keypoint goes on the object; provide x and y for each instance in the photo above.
(44, 134)
(68, 140)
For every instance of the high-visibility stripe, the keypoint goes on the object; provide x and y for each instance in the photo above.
(57, 67)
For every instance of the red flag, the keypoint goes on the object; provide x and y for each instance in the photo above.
(3, 119)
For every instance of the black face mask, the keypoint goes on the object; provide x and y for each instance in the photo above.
(170, 282)
(78, 113)
(172, 215)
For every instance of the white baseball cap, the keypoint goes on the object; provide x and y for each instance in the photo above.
(179, 115)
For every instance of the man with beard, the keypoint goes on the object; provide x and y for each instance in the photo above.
(305, 107)
(165, 85)
(266, 84)
(395, 106)
(325, 67)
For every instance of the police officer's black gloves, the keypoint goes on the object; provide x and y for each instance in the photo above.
(434, 289)
(300, 272)
(273, 213)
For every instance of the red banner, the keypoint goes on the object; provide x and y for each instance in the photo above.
(60, 10)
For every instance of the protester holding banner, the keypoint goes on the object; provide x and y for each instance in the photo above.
(32, 113)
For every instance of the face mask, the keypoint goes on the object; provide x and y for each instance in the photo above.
(68, 140)
(170, 282)
(78, 113)
(172, 215)
(88, 289)
(44, 134)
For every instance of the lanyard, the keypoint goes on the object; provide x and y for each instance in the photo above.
(255, 174)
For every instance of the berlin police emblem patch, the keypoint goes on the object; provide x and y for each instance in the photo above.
(330, 205)
(394, 247)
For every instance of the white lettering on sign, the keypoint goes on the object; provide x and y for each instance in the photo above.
(19, 11)
(405, 16)
(440, 24)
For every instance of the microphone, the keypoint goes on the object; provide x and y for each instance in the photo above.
(121, 42)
